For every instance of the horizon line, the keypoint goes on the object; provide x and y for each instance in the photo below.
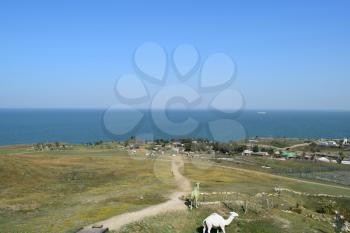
(172, 109)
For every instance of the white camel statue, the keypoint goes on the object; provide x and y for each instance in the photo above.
(216, 221)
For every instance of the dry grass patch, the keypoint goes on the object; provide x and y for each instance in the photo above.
(61, 191)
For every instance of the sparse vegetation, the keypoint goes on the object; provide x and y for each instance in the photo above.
(51, 188)
(251, 195)
(60, 191)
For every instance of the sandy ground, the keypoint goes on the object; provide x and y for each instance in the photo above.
(174, 203)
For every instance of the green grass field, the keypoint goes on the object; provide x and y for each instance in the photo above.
(280, 142)
(266, 211)
(247, 181)
(60, 191)
(310, 170)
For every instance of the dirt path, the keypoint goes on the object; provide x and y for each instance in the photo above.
(297, 145)
(183, 187)
(285, 148)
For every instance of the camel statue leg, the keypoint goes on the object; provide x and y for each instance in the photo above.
(223, 229)
(209, 229)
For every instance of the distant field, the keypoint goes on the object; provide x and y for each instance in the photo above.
(280, 142)
(325, 149)
(60, 191)
(215, 178)
(321, 171)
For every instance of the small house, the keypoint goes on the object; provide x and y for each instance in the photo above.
(288, 154)
(327, 143)
(247, 152)
(261, 153)
(323, 159)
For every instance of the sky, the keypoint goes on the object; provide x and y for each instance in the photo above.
(69, 54)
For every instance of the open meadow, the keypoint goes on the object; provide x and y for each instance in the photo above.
(61, 191)
(66, 189)
(303, 169)
(299, 207)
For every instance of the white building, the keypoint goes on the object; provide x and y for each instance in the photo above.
(261, 153)
(347, 162)
(328, 143)
(247, 152)
(323, 159)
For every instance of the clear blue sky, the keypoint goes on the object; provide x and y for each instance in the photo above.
(289, 54)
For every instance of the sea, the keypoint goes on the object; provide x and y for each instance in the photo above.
(23, 126)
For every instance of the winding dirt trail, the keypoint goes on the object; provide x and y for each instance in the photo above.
(174, 203)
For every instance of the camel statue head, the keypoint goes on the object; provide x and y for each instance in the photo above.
(234, 214)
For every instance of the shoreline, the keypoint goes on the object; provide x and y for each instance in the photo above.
(19, 145)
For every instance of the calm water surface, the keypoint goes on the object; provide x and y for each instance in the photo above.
(81, 126)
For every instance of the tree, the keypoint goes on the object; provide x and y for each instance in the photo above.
(240, 148)
(314, 148)
(222, 147)
(38, 146)
(270, 150)
(188, 146)
(340, 157)
(303, 155)
(98, 143)
(255, 148)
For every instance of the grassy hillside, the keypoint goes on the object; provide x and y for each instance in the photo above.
(62, 190)
(266, 211)
(59, 191)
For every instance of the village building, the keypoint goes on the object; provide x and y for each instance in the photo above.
(247, 152)
(327, 143)
(288, 155)
(260, 153)
(323, 159)
(327, 155)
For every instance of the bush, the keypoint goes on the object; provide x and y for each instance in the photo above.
(326, 207)
(297, 209)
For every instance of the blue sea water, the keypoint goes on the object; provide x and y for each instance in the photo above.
(19, 126)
